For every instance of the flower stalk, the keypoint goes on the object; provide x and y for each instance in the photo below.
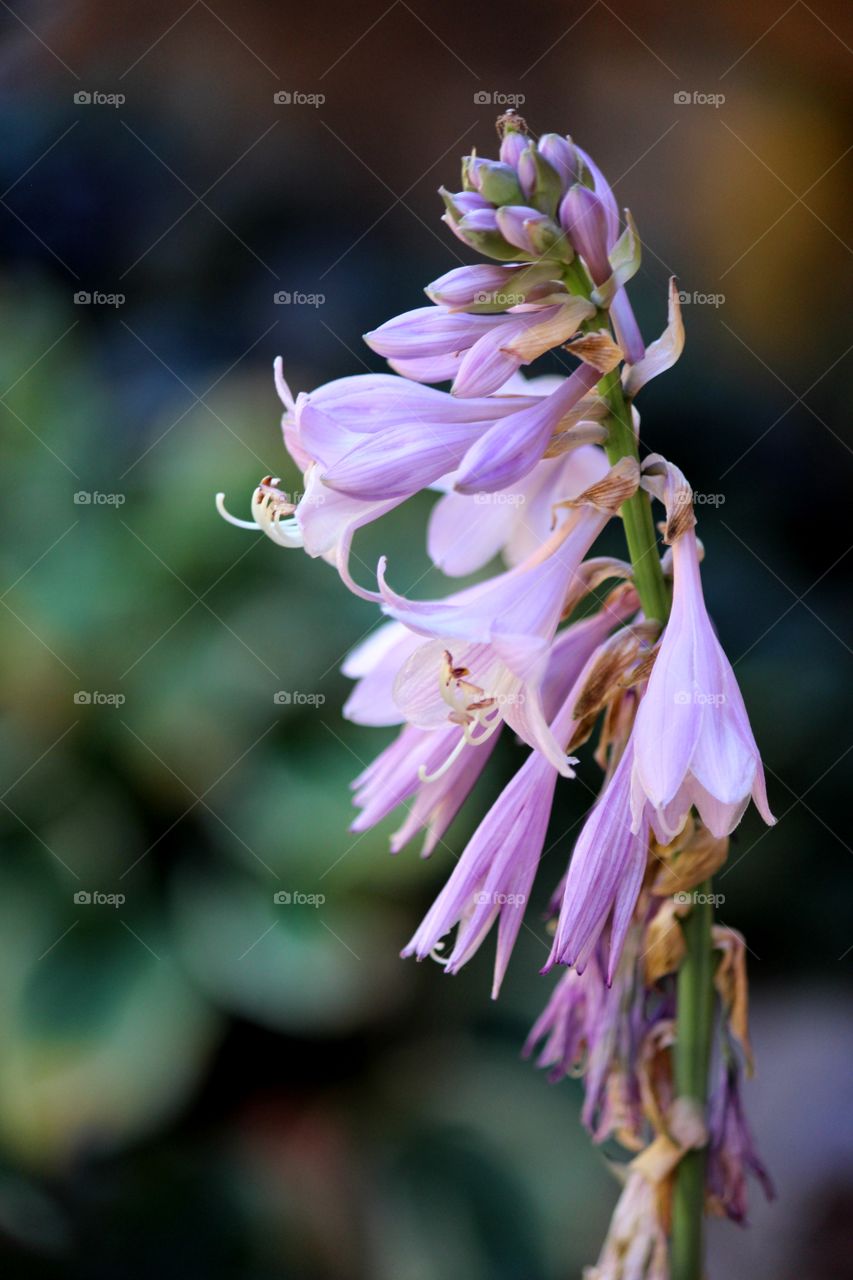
(532, 470)
(695, 990)
(637, 511)
(692, 1054)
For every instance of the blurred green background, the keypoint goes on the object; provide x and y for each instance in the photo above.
(198, 1080)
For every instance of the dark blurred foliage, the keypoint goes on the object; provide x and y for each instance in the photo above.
(202, 1082)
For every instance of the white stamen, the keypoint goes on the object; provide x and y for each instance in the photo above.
(226, 515)
(442, 768)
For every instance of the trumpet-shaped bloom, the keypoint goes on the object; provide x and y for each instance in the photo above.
(493, 878)
(485, 350)
(604, 876)
(467, 531)
(692, 743)
(488, 645)
(397, 775)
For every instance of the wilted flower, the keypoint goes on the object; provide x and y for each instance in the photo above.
(731, 1152)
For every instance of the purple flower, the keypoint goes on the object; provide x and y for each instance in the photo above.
(692, 743)
(466, 532)
(509, 450)
(604, 1033)
(396, 775)
(584, 218)
(480, 352)
(488, 645)
(494, 876)
(604, 876)
(492, 286)
(561, 156)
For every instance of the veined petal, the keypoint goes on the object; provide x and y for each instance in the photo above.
(325, 517)
(398, 462)
(465, 534)
(627, 330)
(488, 364)
(549, 328)
(428, 331)
(429, 368)
(606, 855)
(584, 219)
(437, 803)
(375, 664)
(509, 450)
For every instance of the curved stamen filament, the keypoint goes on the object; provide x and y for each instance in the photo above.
(226, 515)
(423, 776)
(274, 514)
(471, 709)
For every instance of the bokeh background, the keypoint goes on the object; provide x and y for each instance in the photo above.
(197, 1081)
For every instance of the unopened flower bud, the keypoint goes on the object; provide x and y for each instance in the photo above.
(529, 230)
(541, 183)
(584, 219)
(561, 156)
(487, 287)
(480, 230)
(462, 202)
(512, 145)
(497, 182)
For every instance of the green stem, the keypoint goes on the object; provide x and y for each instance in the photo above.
(637, 511)
(695, 994)
(695, 991)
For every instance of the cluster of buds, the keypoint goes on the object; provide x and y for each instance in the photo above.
(545, 202)
(557, 645)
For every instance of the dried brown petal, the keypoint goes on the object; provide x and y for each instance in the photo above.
(664, 947)
(693, 856)
(597, 349)
(732, 984)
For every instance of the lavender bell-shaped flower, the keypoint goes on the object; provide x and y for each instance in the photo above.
(604, 877)
(498, 633)
(692, 742)
(494, 875)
